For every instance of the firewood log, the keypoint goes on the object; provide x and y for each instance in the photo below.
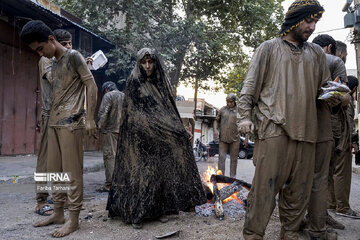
(225, 179)
(227, 191)
(219, 211)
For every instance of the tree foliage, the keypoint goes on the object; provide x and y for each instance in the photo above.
(208, 40)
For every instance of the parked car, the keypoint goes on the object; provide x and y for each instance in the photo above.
(244, 153)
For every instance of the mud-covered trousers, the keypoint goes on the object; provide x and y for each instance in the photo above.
(224, 148)
(109, 154)
(41, 163)
(340, 181)
(318, 198)
(65, 154)
(286, 167)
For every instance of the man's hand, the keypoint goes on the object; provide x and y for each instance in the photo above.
(333, 101)
(246, 126)
(345, 100)
(89, 60)
(90, 127)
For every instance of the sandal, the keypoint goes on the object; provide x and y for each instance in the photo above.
(103, 189)
(43, 210)
(351, 214)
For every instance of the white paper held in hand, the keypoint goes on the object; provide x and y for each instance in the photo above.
(99, 60)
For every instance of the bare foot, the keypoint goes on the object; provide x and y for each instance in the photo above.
(55, 218)
(66, 229)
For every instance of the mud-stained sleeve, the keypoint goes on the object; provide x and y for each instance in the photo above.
(325, 74)
(81, 68)
(44, 66)
(104, 110)
(340, 70)
(253, 82)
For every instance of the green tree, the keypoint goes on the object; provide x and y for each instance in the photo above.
(208, 40)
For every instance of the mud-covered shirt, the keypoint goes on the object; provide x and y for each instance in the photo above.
(110, 112)
(227, 119)
(325, 118)
(45, 84)
(282, 85)
(69, 75)
(337, 69)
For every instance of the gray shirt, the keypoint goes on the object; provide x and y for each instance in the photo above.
(109, 115)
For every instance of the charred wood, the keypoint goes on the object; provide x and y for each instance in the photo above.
(225, 179)
(219, 210)
(208, 192)
(227, 191)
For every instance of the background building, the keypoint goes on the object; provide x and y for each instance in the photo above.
(20, 103)
(205, 116)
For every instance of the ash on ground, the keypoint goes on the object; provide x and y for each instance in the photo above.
(232, 208)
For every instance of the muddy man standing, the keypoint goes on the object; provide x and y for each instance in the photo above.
(226, 120)
(282, 84)
(67, 121)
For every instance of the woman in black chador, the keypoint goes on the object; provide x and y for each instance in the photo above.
(155, 171)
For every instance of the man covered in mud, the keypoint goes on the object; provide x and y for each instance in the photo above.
(341, 50)
(109, 123)
(68, 118)
(282, 84)
(155, 171)
(42, 207)
(65, 39)
(227, 120)
(318, 216)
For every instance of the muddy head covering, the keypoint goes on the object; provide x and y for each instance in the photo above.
(108, 85)
(155, 171)
(231, 97)
(298, 12)
(158, 73)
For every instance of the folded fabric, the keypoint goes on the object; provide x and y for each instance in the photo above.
(335, 86)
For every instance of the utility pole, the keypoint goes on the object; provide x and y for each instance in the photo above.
(352, 20)
(195, 100)
(356, 42)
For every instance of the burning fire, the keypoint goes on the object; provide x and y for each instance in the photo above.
(206, 179)
(232, 197)
(207, 175)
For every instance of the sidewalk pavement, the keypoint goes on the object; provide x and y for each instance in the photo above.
(23, 166)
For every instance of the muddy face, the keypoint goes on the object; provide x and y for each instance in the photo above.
(230, 104)
(46, 49)
(148, 64)
(67, 44)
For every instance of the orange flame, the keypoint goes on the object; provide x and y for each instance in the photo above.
(206, 178)
(207, 175)
(233, 197)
